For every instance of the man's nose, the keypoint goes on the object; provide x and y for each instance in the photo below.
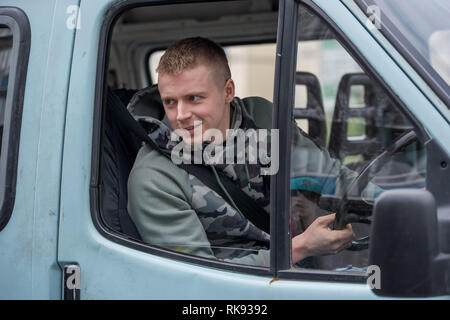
(183, 112)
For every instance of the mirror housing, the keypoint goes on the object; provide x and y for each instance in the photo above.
(405, 246)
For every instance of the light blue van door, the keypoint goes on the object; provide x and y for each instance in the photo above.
(102, 264)
(36, 51)
(107, 268)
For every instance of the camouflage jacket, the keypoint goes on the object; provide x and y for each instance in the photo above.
(175, 210)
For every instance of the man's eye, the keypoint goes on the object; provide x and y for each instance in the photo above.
(194, 98)
(169, 101)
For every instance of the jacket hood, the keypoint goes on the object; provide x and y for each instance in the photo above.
(146, 106)
(237, 167)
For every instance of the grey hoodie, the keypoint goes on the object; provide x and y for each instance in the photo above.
(175, 210)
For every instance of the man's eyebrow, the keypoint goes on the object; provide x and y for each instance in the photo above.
(189, 94)
(166, 97)
(196, 93)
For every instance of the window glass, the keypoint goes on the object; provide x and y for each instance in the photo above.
(338, 164)
(420, 31)
(252, 68)
(439, 47)
(14, 54)
(5, 62)
(6, 176)
(171, 208)
(423, 25)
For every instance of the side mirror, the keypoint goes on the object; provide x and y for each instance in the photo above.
(405, 245)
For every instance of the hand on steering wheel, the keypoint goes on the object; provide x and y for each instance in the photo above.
(361, 181)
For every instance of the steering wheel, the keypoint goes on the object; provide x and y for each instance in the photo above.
(343, 217)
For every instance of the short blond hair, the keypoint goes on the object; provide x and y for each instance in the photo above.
(191, 52)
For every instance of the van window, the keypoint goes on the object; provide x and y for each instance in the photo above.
(14, 52)
(247, 33)
(6, 40)
(420, 31)
(354, 121)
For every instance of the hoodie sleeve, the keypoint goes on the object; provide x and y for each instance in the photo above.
(159, 196)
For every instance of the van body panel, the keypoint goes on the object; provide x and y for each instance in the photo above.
(52, 225)
(28, 244)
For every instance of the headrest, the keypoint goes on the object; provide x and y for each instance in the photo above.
(147, 103)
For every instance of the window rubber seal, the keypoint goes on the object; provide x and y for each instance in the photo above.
(18, 22)
(95, 187)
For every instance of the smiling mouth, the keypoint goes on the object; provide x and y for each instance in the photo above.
(191, 128)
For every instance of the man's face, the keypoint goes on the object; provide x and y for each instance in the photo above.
(197, 94)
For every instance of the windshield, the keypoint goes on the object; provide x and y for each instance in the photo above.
(420, 29)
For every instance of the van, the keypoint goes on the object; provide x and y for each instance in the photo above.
(366, 80)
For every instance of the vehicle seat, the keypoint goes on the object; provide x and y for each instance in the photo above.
(147, 103)
(314, 111)
(340, 145)
(120, 147)
(383, 123)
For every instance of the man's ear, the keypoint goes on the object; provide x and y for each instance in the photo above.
(229, 91)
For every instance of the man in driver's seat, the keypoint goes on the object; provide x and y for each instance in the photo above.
(174, 209)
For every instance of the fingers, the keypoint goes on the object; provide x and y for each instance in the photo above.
(343, 238)
(326, 220)
(345, 246)
(321, 240)
(346, 234)
(329, 219)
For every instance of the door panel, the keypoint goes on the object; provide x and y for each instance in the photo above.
(110, 269)
(28, 243)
